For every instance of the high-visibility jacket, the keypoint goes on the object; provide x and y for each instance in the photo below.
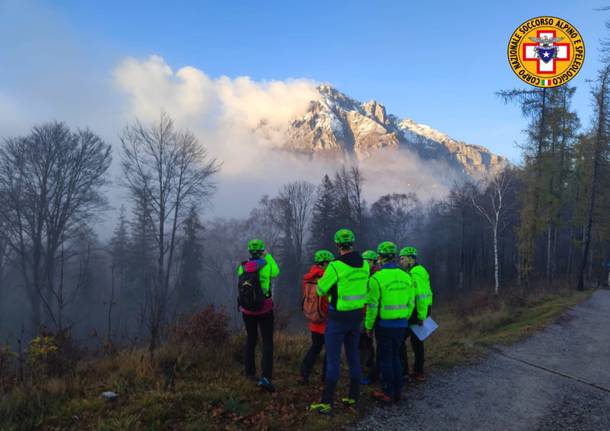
(269, 270)
(345, 285)
(391, 296)
(423, 292)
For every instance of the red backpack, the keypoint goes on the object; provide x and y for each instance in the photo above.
(312, 303)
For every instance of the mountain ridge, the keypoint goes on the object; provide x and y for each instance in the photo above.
(338, 126)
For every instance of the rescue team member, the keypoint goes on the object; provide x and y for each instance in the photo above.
(262, 263)
(368, 354)
(317, 322)
(423, 303)
(390, 302)
(345, 283)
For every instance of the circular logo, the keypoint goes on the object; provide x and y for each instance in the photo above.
(546, 51)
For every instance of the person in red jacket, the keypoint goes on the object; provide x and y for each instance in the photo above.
(321, 261)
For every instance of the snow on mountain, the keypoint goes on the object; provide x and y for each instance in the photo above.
(339, 127)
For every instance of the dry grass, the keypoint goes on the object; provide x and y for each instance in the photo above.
(210, 392)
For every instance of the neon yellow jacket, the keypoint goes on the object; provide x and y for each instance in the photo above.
(391, 296)
(268, 271)
(423, 292)
(344, 284)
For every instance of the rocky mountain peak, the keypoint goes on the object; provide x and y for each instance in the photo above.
(337, 126)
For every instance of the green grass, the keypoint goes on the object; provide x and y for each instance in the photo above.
(211, 393)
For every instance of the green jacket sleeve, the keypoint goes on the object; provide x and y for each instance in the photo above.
(372, 304)
(274, 270)
(423, 294)
(240, 270)
(328, 280)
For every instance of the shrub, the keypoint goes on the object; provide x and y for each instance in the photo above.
(208, 325)
(52, 354)
(7, 358)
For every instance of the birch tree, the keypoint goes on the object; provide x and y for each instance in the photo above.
(493, 210)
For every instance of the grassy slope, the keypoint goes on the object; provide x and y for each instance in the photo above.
(211, 394)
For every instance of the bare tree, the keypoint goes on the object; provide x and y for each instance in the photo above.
(493, 211)
(395, 216)
(460, 201)
(173, 170)
(297, 199)
(3, 259)
(50, 184)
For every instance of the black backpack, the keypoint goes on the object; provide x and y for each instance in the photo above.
(250, 294)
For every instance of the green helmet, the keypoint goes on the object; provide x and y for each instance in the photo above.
(387, 248)
(256, 245)
(344, 236)
(322, 256)
(408, 251)
(369, 255)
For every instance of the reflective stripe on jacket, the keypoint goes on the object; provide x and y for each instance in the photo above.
(348, 284)
(391, 296)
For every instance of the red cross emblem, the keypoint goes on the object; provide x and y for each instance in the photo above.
(531, 52)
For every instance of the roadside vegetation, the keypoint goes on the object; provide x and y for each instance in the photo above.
(195, 382)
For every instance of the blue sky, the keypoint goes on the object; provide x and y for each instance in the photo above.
(438, 63)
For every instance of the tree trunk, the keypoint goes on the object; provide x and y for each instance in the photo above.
(496, 264)
(600, 136)
(548, 254)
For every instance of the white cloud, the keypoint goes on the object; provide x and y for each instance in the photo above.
(223, 113)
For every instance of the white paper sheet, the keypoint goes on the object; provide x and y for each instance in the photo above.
(422, 332)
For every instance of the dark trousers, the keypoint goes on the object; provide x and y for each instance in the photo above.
(253, 323)
(368, 357)
(418, 351)
(390, 341)
(317, 344)
(342, 330)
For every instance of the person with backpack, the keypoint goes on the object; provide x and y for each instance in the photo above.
(423, 302)
(390, 302)
(256, 305)
(368, 353)
(344, 283)
(315, 309)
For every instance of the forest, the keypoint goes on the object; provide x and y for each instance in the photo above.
(542, 222)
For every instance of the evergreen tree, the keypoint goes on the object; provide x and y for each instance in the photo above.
(324, 219)
(119, 256)
(189, 293)
(596, 162)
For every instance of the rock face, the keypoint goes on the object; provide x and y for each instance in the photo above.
(340, 127)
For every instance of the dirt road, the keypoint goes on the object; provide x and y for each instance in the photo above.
(559, 379)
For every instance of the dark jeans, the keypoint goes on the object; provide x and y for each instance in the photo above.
(317, 344)
(343, 328)
(390, 341)
(265, 323)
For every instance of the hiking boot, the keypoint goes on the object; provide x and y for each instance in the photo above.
(322, 408)
(349, 402)
(419, 377)
(265, 383)
(382, 397)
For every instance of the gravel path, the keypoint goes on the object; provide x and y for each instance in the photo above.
(508, 390)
